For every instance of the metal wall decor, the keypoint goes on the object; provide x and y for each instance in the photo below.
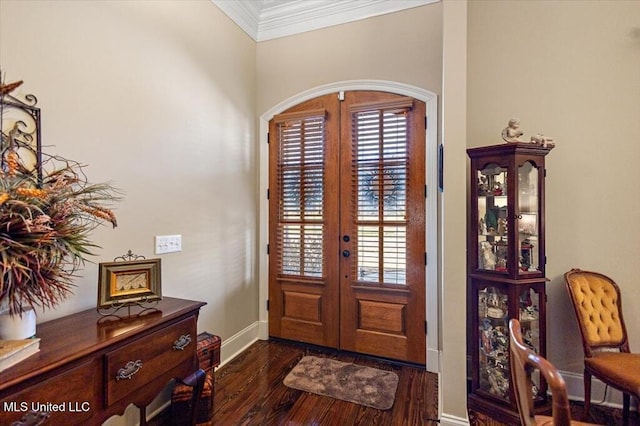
(20, 123)
(130, 280)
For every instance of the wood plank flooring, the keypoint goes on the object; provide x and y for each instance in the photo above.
(249, 391)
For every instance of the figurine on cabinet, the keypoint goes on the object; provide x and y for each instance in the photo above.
(482, 227)
(512, 132)
(502, 226)
(485, 336)
(540, 139)
(498, 382)
(497, 188)
(496, 304)
(501, 251)
(528, 311)
(491, 222)
(483, 185)
(487, 256)
(526, 249)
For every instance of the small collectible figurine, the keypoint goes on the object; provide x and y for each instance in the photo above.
(487, 256)
(502, 226)
(483, 185)
(498, 188)
(482, 228)
(540, 139)
(494, 304)
(512, 132)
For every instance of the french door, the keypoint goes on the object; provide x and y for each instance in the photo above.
(347, 224)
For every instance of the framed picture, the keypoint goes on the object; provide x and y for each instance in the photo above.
(128, 282)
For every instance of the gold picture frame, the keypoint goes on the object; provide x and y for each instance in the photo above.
(134, 281)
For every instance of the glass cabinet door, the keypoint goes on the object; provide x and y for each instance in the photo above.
(527, 218)
(492, 218)
(493, 342)
(529, 316)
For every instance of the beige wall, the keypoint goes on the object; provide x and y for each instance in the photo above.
(159, 98)
(572, 71)
(404, 47)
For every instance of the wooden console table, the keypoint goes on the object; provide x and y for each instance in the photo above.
(91, 367)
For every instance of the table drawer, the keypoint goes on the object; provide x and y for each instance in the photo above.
(68, 398)
(149, 358)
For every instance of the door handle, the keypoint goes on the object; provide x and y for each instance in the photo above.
(346, 253)
(345, 238)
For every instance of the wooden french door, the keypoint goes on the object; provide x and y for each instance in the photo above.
(347, 224)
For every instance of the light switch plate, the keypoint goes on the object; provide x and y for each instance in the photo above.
(168, 243)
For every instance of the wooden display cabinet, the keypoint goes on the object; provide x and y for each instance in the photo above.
(506, 271)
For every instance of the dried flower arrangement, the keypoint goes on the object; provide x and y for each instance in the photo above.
(45, 224)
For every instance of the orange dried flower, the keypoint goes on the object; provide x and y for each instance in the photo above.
(31, 192)
(12, 163)
(101, 213)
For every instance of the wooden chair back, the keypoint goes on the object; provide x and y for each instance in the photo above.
(523, 362)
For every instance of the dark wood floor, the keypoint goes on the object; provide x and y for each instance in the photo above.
(249, 391)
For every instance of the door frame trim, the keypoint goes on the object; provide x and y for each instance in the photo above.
(431, 176)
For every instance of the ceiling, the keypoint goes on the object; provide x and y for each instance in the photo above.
(269, 19)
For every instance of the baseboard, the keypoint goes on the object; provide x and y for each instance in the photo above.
(433, 360)
(234, 345)
(449, 420)
(575, 390)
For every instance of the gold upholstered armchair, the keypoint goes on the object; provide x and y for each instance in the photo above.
(597, 303)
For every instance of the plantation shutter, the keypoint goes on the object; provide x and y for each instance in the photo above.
(379, 187)
(300, 172)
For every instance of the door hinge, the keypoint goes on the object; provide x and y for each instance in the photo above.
(267, 304)
(425, 327)
(425, 258)
(545, 172)
(267, 249)
(268, 140)
(426, 122)
(268, 193)
(425, 191)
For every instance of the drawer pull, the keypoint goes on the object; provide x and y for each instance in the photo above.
(32, 418)
(182, 342)
(129, 370)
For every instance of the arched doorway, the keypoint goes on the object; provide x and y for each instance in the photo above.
(430, 236)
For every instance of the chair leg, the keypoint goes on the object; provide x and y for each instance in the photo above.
(196, 381)
(626, 403)
(587, 395)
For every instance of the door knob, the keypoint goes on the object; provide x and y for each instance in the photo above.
(345, 238)
(346, 253)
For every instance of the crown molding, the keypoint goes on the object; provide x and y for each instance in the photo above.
(246, 14)
(269, 19)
